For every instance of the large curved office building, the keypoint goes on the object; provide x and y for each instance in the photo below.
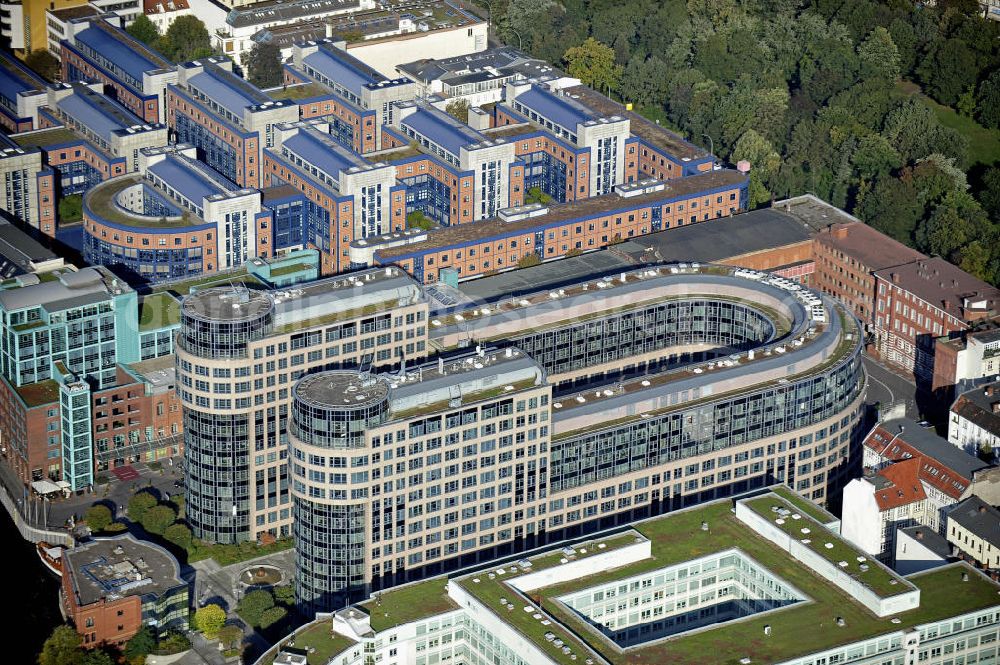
(582, 408)
(178, 219)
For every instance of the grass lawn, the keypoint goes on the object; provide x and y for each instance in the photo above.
(319, 637)
(984, 144)
(800, 629)
(409, 603)
(157, 310)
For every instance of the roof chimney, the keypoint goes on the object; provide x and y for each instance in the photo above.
(982, 509)
(895, 277)
(919, 535)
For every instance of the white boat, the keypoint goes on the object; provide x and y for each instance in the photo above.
(51, 556)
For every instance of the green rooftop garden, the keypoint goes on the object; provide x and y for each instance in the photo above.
(158, 310)
(831, 547)
(47, 137)
(291, 269)
(185, 287)
(317, 641)
(803, 505)
(800, 629)
(467, 398)
(101, 200)
(395, 607)
(300, 91)
(39, 393)
(296, 326)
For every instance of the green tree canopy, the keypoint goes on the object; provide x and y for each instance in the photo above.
(594, 64)
(263, 65)
(879, 55)
(139, 505)
(230, 636)
(209, 620)
(179, 534)
(62, 647)
(988, 101)
(272, 616)
(459, 109)
(98, 517)
(141, 644)
(144, 30)
(158, 518)
(253, 605)
(187, 39)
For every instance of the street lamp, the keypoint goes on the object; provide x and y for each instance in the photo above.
(711, 145)
(520, 44)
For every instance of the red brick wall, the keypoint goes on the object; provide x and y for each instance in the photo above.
(103, 622)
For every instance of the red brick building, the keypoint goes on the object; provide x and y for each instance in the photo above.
(923, 300)
(847, 257)
(111, 587)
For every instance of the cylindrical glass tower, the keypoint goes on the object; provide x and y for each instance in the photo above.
(216, 325)
(330, 413)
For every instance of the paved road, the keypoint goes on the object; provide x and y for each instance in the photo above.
(56, 512)
(888, 388)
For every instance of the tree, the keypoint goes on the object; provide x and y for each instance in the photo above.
(989, 194)
(253, 605)
(459, 109)
(645, 81)
(879, 56)
(272, 616)
(263, 64)
(988, 101)
(141, 644)
(96, 657)
(70, 208)
(764, 162)
(44, 63)
(187, 39)
(948, 68)
(62, 647)
(528, 260)
(139, 504)
(230, 636)
(594, 64)
(209, 620)
(178, 534)
(915, 132)
(418, 220)
(144, 30)
(98, 517)
(158, 518)
(285, 594)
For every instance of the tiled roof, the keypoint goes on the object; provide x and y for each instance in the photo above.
(977, 406)
(867, 246)
(943, 285)
(899, 484)
(943, 465)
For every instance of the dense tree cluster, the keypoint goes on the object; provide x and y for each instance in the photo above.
(186, 39)
(821, 96)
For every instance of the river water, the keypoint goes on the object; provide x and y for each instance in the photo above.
(32, 597)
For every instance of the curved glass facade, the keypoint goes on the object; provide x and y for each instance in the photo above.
(330, 411)
(218, 323)
(723, 323)
(217, 467)
(770, 409)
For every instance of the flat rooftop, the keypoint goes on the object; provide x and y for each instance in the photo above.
(227, 90)
(271, 11)
(98, 113)
(44, 138)
(18, 250)
(796, 631)
(647, 130)
(441, 129)
(583, 209)
(227, 304)
(102, 200)
(118, 567)
(339, 67)
(716, 240)
(561, 110)
(345, 389)
(119, 47)
(501, 61)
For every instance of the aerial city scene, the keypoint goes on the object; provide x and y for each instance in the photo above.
(500, 332)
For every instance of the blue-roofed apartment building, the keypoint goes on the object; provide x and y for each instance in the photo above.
(609, 156)
(344, 196)
(180, 219)
(498, 176)
(134, 74)
(22, 91)
(358, 99)
(226, 118)
(106, 124)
